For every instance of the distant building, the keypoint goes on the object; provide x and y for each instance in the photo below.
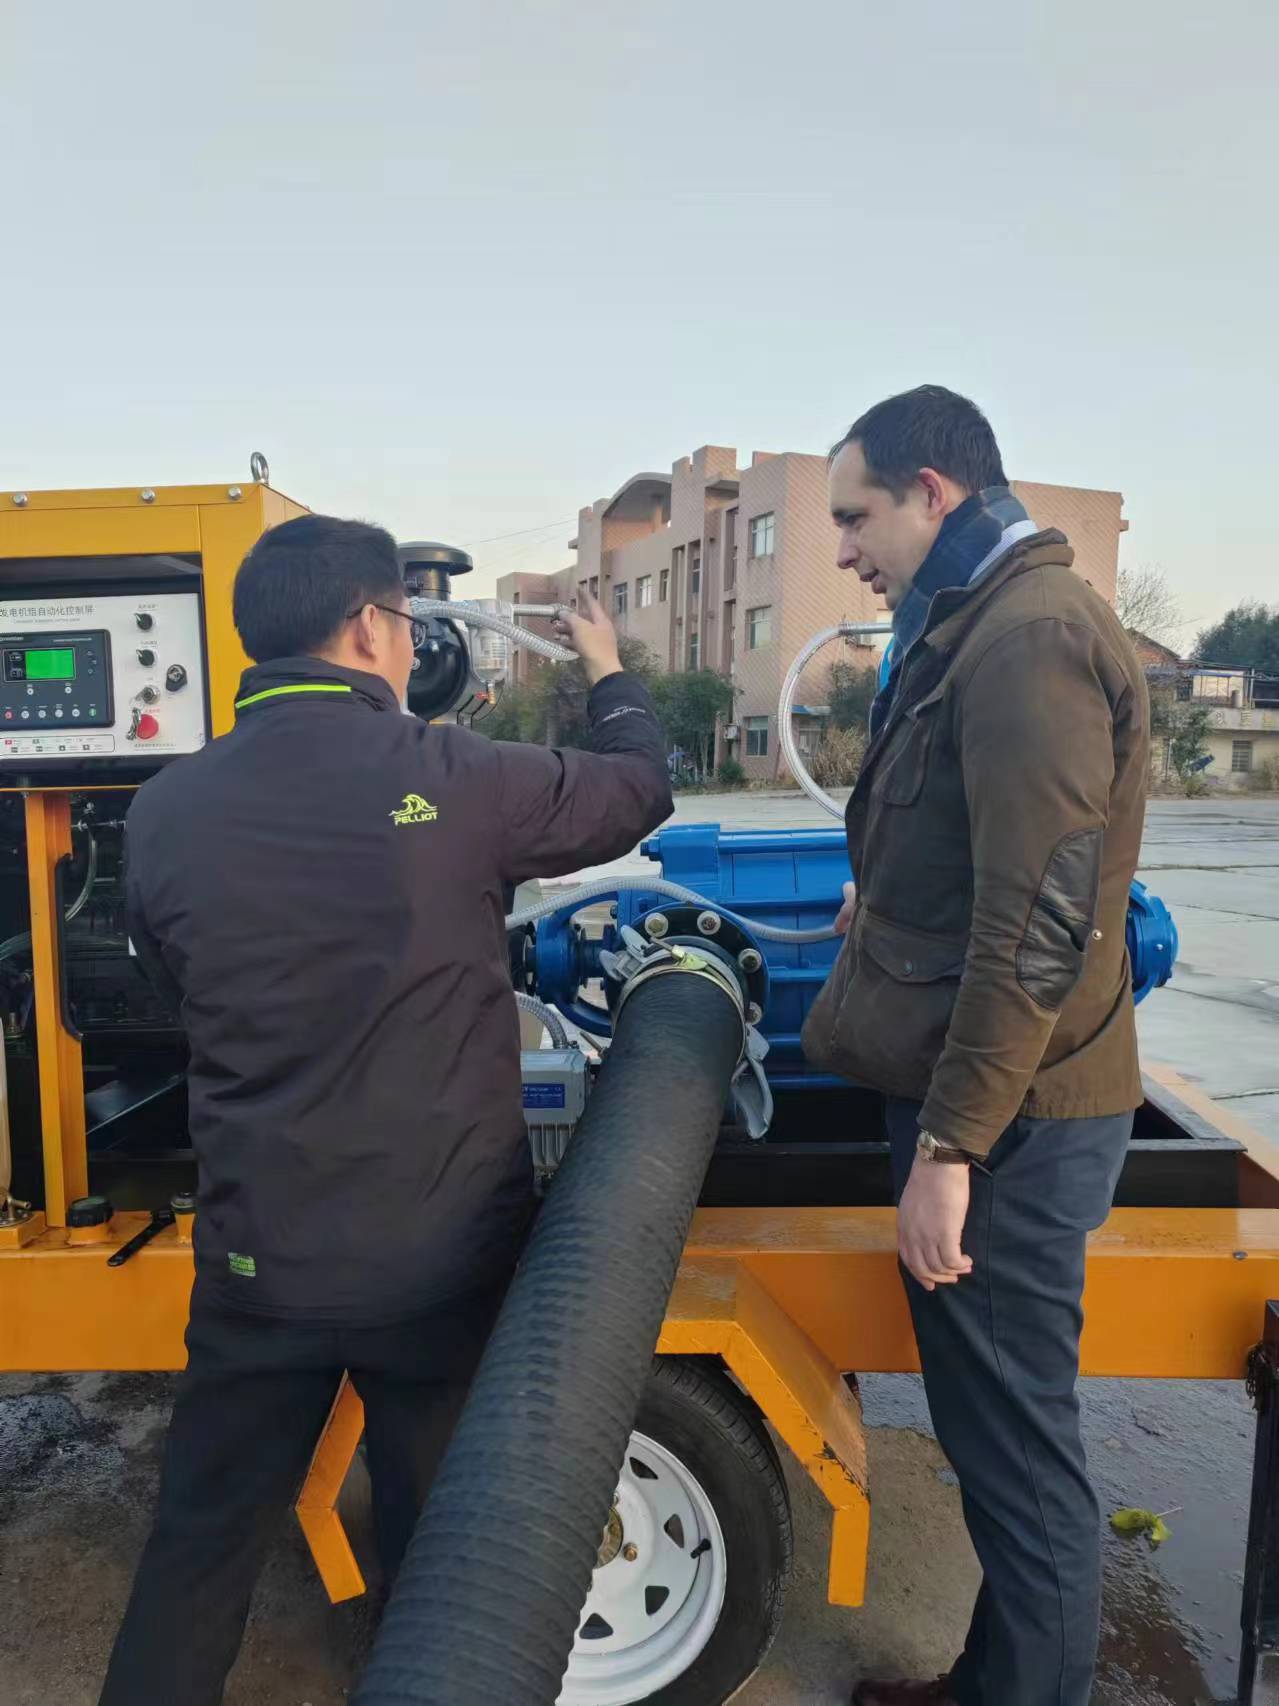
(1153, 654)
(1243, 710)
(733, 568)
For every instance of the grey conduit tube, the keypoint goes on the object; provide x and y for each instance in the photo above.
(488, 1599)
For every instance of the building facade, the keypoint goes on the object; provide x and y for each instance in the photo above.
(1241, 741)
(733, 568)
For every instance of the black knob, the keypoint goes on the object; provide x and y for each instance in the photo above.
(175, 677)
(145, 620)
(146, 657)
(89, 1211)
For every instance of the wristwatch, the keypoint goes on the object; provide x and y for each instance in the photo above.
(929, 1148)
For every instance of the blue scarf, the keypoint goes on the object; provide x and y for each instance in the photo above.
(971, 541)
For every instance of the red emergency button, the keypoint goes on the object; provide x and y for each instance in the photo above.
(148, 726)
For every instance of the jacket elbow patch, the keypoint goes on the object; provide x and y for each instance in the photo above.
(1054, 946)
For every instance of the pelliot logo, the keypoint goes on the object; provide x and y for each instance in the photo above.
(414, 810)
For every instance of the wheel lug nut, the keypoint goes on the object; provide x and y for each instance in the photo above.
(630, 1553)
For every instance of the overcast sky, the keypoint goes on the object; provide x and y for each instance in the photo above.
(464, 268)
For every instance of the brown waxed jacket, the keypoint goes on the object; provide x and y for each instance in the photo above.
(993, 832)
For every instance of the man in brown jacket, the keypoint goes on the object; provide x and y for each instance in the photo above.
(985, 988)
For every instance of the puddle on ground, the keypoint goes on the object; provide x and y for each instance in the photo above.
(1170, 1634)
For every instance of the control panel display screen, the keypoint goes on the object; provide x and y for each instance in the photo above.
(51, 664)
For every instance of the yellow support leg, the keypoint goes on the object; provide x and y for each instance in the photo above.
(720, 1308)
(317, 1505)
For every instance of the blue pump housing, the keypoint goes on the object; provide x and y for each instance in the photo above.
(790, 878)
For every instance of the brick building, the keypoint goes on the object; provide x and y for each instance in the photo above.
(733, 568)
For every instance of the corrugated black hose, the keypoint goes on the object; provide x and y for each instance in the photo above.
(487, 1603)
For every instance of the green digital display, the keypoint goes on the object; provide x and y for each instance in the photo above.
(54, 663)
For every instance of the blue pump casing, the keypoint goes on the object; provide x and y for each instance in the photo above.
(793, 879)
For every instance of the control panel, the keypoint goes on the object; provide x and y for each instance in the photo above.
(115, 678)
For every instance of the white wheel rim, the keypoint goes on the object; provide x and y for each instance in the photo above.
(647, 1618)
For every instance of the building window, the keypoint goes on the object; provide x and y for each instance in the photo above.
(643, 592)
(759, 626)
(730, 635)
(694, 650)
(663, 586)
(695, 569)
(677, 569)
(595, 586)
(1241, 755)
(763, 534)
(730, 550)
(620, 599)
(757, 737)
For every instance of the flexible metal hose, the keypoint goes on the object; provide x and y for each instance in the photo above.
(603, 886)
(785, 726)
(491, 1590)
(426, 608)
(548, 1016)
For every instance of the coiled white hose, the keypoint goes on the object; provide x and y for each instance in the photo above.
(608, 886)
(425, 608)
(785, 721)
(547, 1015)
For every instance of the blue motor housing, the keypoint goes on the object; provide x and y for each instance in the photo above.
(793, 879)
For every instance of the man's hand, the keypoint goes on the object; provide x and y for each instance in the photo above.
(592, 636)
(930, 1223)
(844, 917)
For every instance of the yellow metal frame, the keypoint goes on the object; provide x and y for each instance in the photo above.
(788, 1299)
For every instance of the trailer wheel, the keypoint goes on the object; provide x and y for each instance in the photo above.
(687, 1595)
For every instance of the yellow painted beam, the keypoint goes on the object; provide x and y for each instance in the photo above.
(143, 530)
(60, 1058)
(127, 498)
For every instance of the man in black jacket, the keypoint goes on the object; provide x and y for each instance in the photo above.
(321, 892)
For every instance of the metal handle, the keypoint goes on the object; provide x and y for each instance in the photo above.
(60, 873)
(160, 1218)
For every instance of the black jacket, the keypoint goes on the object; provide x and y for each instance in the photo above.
(321, 892)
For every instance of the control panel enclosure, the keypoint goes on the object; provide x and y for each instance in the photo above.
(100, 682)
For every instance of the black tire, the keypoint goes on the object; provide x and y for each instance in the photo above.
(692, 1408)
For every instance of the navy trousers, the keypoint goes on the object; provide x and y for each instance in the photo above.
(1000, 1355)
(249, 1411)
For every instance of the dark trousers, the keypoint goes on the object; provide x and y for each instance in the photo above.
(249, 1411)
(1000, 1355)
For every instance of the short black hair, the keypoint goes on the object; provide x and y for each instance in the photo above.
(929, 427)
(302, 580)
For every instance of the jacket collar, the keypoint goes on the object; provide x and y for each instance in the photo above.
(294, 681)
(953, 612)
(956, 608)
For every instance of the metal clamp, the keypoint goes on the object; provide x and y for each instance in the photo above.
(640, 961)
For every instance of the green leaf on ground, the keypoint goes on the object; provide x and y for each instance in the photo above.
(1133, 1521)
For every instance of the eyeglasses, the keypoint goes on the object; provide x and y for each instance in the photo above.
(417, 629)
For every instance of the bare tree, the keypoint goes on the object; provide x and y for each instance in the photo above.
(1146, 604)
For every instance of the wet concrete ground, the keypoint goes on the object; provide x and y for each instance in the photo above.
(78, 1454)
